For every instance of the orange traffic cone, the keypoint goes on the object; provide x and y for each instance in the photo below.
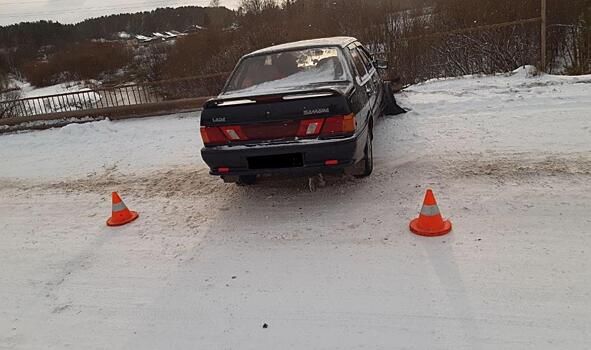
(430, 223)
(121, 215)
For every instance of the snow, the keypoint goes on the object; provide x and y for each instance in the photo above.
(123, 35)
(333, 41)
(207, 264)
(72, 102)
(143, 37)
(79, 150)
(46, 124)
(28, 91)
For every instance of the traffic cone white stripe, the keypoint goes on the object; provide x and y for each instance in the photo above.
(119, 207)
(430, 210)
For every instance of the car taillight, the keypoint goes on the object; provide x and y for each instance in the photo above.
(213, 136)
(341, 125)
(234, 133)
(310, 127)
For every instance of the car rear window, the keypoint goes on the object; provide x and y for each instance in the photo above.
(288, 69)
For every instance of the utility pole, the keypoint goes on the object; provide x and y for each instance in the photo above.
(543, 34)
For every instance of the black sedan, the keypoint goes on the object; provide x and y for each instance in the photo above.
(304, 107)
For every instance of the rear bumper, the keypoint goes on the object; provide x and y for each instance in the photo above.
(314, 153)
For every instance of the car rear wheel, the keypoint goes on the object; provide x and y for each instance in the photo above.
(367, 161)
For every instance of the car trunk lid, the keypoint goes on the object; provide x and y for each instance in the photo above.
(283, 116)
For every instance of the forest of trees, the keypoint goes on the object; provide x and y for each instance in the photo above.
(52, 33)
(412, 34)
(46, 52)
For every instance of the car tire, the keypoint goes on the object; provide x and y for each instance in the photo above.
(246, 180)
(367, 161)
(390, 105)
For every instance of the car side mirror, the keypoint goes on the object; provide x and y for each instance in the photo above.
(381, 64)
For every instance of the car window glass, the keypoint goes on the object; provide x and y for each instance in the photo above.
(289, 69)
(365, 58)
(358, 62)
(367, 53)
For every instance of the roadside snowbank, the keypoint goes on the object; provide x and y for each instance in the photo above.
(81, 150)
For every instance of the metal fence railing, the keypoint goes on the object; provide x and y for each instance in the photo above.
(115, 96)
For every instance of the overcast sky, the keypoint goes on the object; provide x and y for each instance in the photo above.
(72, 11)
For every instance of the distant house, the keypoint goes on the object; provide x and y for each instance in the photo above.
(124, 35)
(174, 34)
(231, 28)
(177, 33)
(194, 29)
(142, 39)
(158, 37)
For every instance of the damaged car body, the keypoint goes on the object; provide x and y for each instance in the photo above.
(299, 108)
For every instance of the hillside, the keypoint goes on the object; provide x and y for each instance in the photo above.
(43, 33)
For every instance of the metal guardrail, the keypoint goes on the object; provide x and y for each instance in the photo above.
(116, 96)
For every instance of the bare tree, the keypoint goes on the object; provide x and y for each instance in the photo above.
(150, 62)
(8, 97)
(256, 7)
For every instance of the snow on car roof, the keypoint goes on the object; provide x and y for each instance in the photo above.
(341, 41)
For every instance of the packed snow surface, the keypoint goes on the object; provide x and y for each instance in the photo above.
(208, 264)
(81, 150)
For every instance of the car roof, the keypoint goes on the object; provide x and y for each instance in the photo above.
(341, 41)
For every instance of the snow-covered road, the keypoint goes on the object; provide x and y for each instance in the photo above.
(207, 264)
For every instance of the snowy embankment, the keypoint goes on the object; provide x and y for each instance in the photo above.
(93, 149)
(207, 264)
(64, 103)
(29, 91)
(58, 98)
